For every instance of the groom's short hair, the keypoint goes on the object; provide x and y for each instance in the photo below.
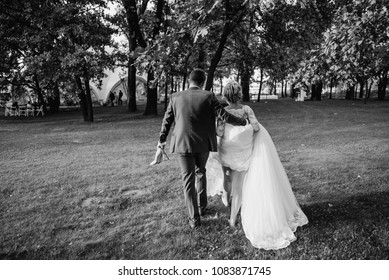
(197, 76)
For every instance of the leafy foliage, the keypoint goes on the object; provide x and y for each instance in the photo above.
(356, 45)
(47, 44)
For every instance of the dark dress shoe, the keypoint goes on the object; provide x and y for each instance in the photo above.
(203, 212)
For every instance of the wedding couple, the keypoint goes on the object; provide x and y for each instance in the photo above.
(243, 164)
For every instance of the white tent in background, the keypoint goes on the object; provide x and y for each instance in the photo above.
(301, 96)
(115, 81)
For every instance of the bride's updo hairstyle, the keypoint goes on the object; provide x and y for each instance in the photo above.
(232, 92)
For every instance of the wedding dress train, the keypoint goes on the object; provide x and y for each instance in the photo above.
(270, 213)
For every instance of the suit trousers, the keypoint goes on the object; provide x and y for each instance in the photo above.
(194, 182)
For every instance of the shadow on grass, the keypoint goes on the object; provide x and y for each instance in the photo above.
(358, 207)
(355, 227)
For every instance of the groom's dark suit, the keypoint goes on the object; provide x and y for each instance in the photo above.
(194, 136)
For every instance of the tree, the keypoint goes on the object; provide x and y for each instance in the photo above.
(21, 31)
(356, 45)
(233, 14)
(292, 32)
(245, 56)
(274, 36)
(189, 29)
(82, 38)
(152, 84)
(58, 42)
(135, 40)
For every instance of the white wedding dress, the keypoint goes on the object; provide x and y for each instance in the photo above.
(270, 212)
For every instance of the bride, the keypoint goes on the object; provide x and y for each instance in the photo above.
(247, 169)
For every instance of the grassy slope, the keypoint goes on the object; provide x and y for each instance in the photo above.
(71, 190)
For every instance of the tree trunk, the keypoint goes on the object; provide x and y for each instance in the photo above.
(260, 87)
(152, 95)
(166, 93)
(41, 100)
(282, 88)
(152, 92)
(221, 85)
(215, 60)
(247, 63)
(275, 87)
(55, 100)
(293, 91)
(369, 91)
(201, 57)
(131, 83)
(88, 96)
(382, 84)
(184, 81)
(135, 37)
(171, 83)
(233, 18)
(361, 87)
(350, 92)
(379, 89)
(245, 83)
(131, 105)
(367, 95)
(81, 96)
(185, 76)
(317, 89)
(271, 86)
(331, 85)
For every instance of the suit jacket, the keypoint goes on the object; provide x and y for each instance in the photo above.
(193, 111)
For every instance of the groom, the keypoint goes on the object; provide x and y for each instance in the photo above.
(193, 111)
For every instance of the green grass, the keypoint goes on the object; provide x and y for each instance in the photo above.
(74, 190)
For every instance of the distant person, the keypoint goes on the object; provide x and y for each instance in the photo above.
(112, 97)
(15, 104)
(120, 102)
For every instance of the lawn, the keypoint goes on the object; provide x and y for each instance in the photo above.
(75, 190)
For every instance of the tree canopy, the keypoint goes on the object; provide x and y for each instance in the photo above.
(56, 47)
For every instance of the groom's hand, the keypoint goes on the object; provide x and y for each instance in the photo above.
(161, 145)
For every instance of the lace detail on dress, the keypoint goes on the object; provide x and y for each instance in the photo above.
(282, 238)
(298, 220)
(241, 112)
(246, 112)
